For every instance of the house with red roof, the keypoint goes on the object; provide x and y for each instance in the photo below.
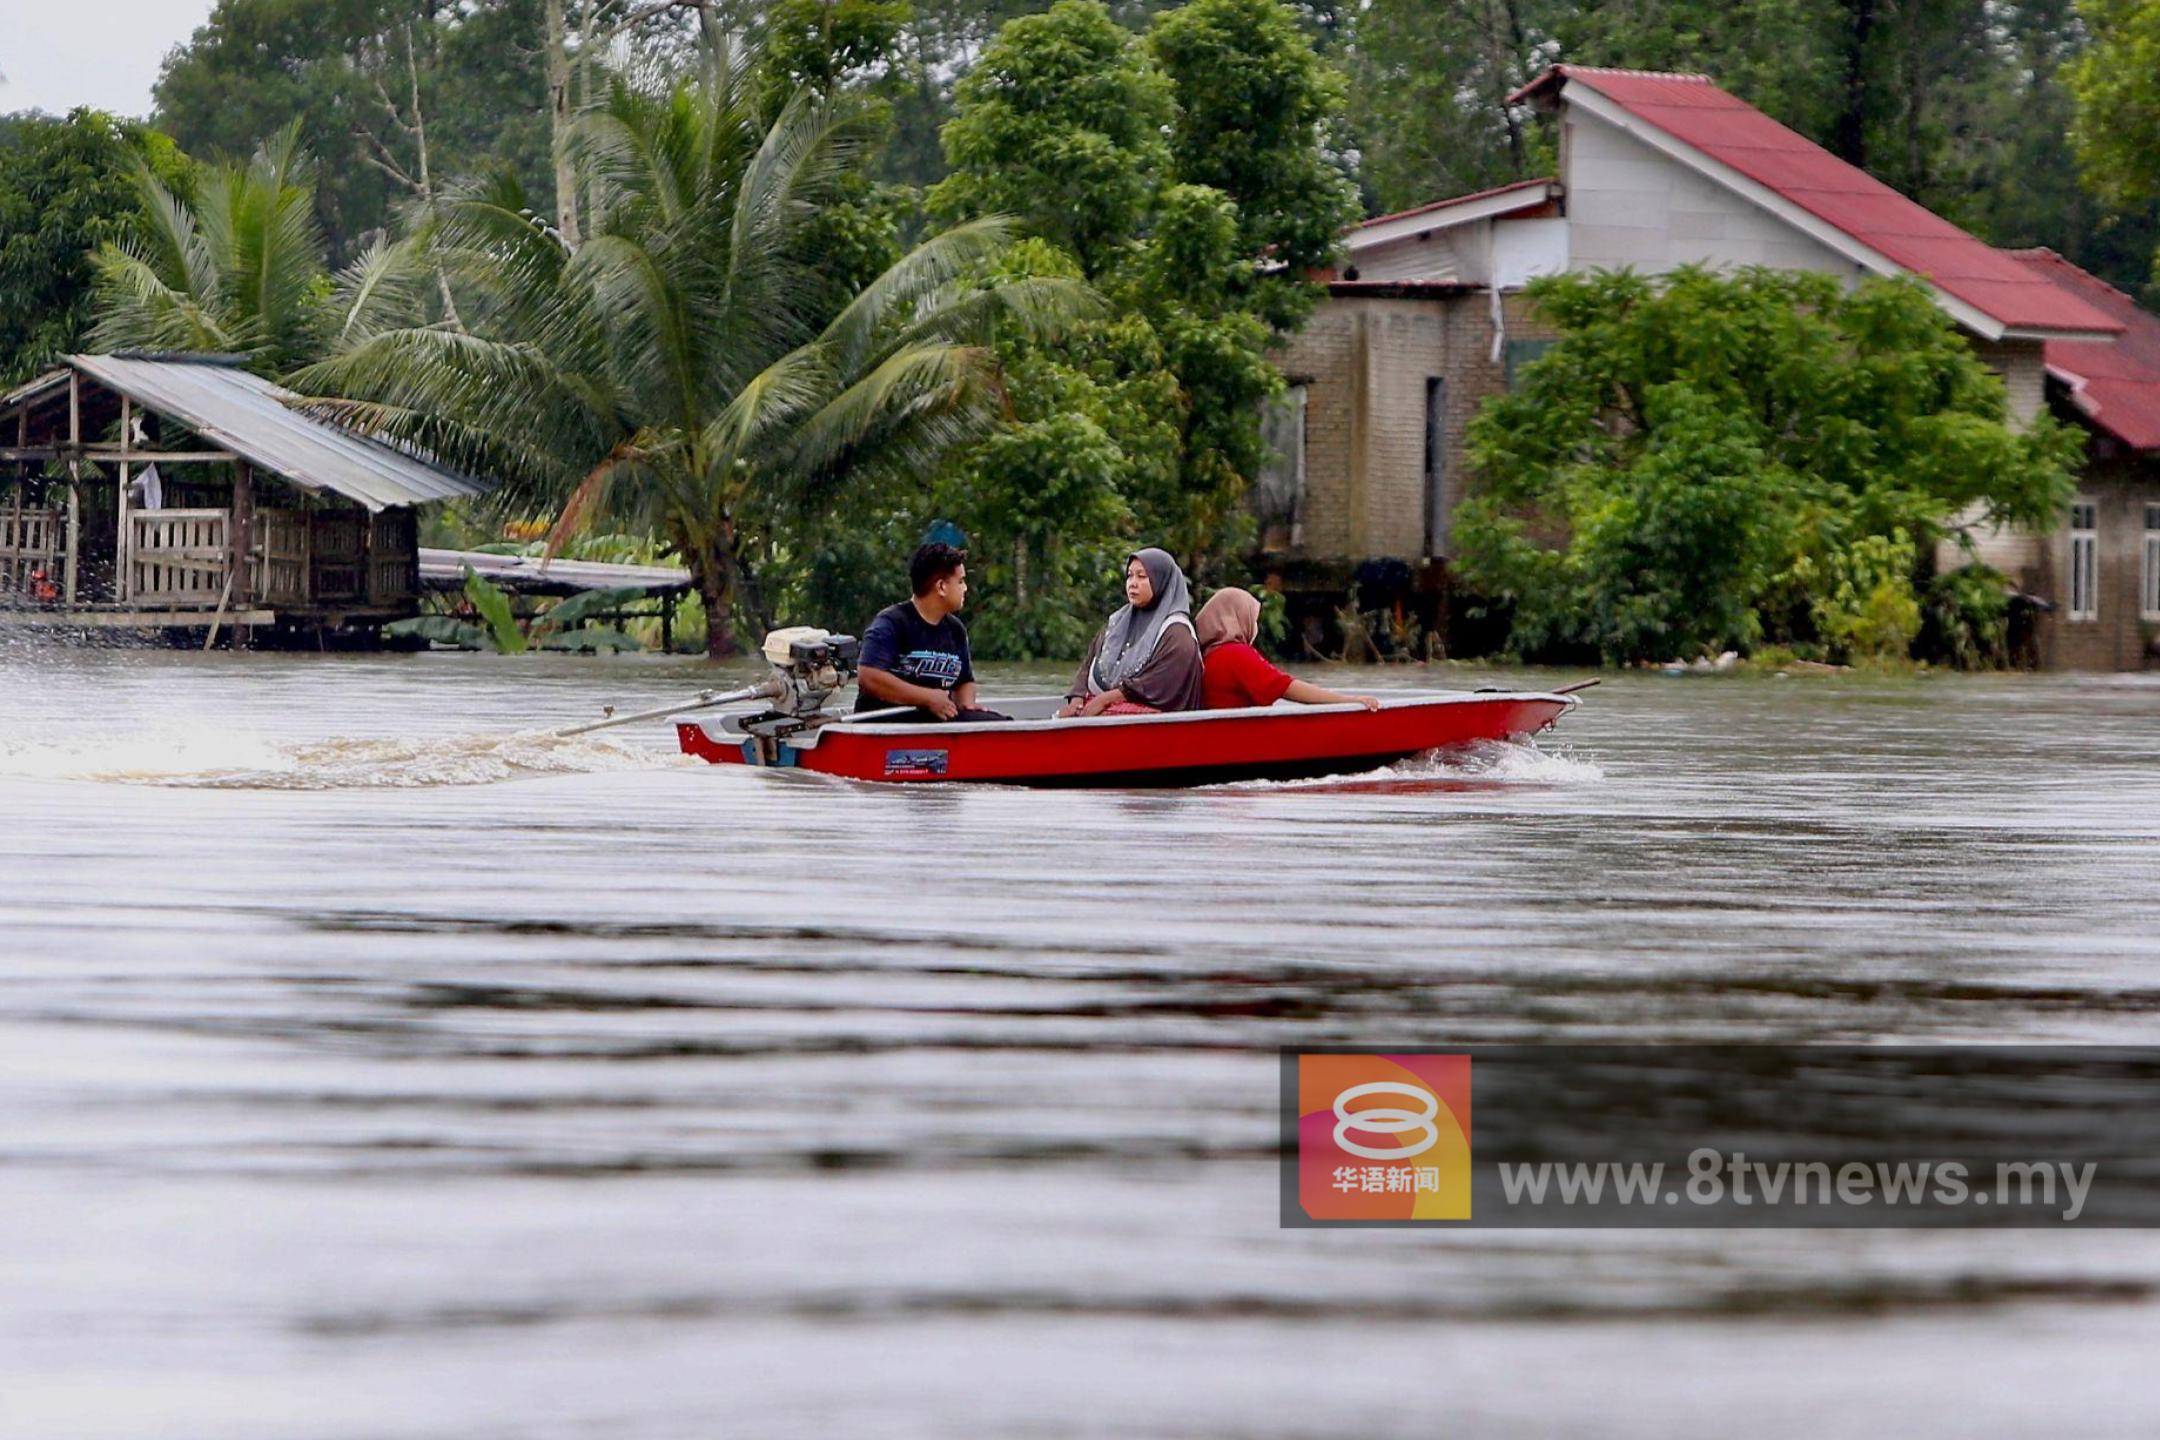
(1425, 320)
(2103, 568)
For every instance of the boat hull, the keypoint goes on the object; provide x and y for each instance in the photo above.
(1196, 748)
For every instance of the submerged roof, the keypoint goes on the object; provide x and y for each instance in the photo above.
(1709, 124)
(2115, 386)
(531, 575)
(253, 418)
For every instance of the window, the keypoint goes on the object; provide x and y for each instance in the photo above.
(1521, 353)
(1278, 499)
(2084, 560)
(2149, 590)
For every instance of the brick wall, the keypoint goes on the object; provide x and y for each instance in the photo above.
(2120, 489)
(1365, 363)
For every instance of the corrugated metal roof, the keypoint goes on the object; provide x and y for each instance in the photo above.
(1729, 130)
(445, 570)
(252, 417)
(31, 389)
(1543, 184)
(2116, 386)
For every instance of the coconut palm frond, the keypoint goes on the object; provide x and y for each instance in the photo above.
(643, 306)
(773, 399)
(378, 291)
(483, 396)
(138, 310)
(239, 270)
(920, 273)
(177, 250)
(1041, 309)
(809, 146)
(918, 378)
(591, 493)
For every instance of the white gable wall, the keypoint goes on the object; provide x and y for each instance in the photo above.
(1629, 205)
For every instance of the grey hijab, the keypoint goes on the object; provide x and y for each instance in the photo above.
(1129, 640)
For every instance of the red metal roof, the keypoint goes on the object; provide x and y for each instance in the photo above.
(1729, 130)
(2116, 384)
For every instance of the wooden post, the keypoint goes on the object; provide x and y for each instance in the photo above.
(74, 540)
(667, 623)
(124, 582)
(239, 535)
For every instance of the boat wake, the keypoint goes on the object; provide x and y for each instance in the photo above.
(1482, 765)
(225, 761)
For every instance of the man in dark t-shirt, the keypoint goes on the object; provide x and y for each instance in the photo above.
(916, 653)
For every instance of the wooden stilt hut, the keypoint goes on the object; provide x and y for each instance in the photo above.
(174, 492)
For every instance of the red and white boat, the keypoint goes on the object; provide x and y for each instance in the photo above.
(1199, 747)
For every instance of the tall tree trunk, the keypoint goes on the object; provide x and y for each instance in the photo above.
(716, 586)
(1504, 48)
(558, 84)
(1851, 133)
(1913, 78)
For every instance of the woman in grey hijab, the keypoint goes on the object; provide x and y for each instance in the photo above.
(1146, 658)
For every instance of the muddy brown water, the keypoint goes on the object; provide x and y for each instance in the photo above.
(369, 1068)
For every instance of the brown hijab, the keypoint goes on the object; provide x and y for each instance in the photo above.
(1230, 616)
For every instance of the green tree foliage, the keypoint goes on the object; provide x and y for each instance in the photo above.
(1090, 424)
(1061, 124)
(679, 369)
(1711, 461)
(1429, 98)
(346, 71)
(830, 49)
(238, 272)
(826, 46)
(1166, 172)
(2117, 85)
(1256, 112)
(66, 187)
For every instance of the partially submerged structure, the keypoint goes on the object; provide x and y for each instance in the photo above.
(182, 492)
(1427, 320)
(648, 591)
(2103, 568)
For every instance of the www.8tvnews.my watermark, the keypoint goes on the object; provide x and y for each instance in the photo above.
(1721, 1136)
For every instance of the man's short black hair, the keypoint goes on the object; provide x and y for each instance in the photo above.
(932, 563)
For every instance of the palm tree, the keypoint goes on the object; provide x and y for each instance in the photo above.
(240, 271)
(687, 366)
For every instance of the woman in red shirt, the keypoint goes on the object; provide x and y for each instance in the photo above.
(1237, 675)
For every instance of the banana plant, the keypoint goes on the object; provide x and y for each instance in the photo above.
(560, 627)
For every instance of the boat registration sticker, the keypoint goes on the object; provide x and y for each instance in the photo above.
(1379, 1138)
(915, 762)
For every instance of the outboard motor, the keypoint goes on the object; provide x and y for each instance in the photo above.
(808, 665)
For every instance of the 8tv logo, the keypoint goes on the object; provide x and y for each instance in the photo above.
(1381, 1137)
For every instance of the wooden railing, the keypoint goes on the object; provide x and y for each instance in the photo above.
(32, 542)
(278, 572)
(338, 562)
(393, 557)
(177, 558)
(180, 558)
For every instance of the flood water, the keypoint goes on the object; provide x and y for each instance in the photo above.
(370, 1070)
